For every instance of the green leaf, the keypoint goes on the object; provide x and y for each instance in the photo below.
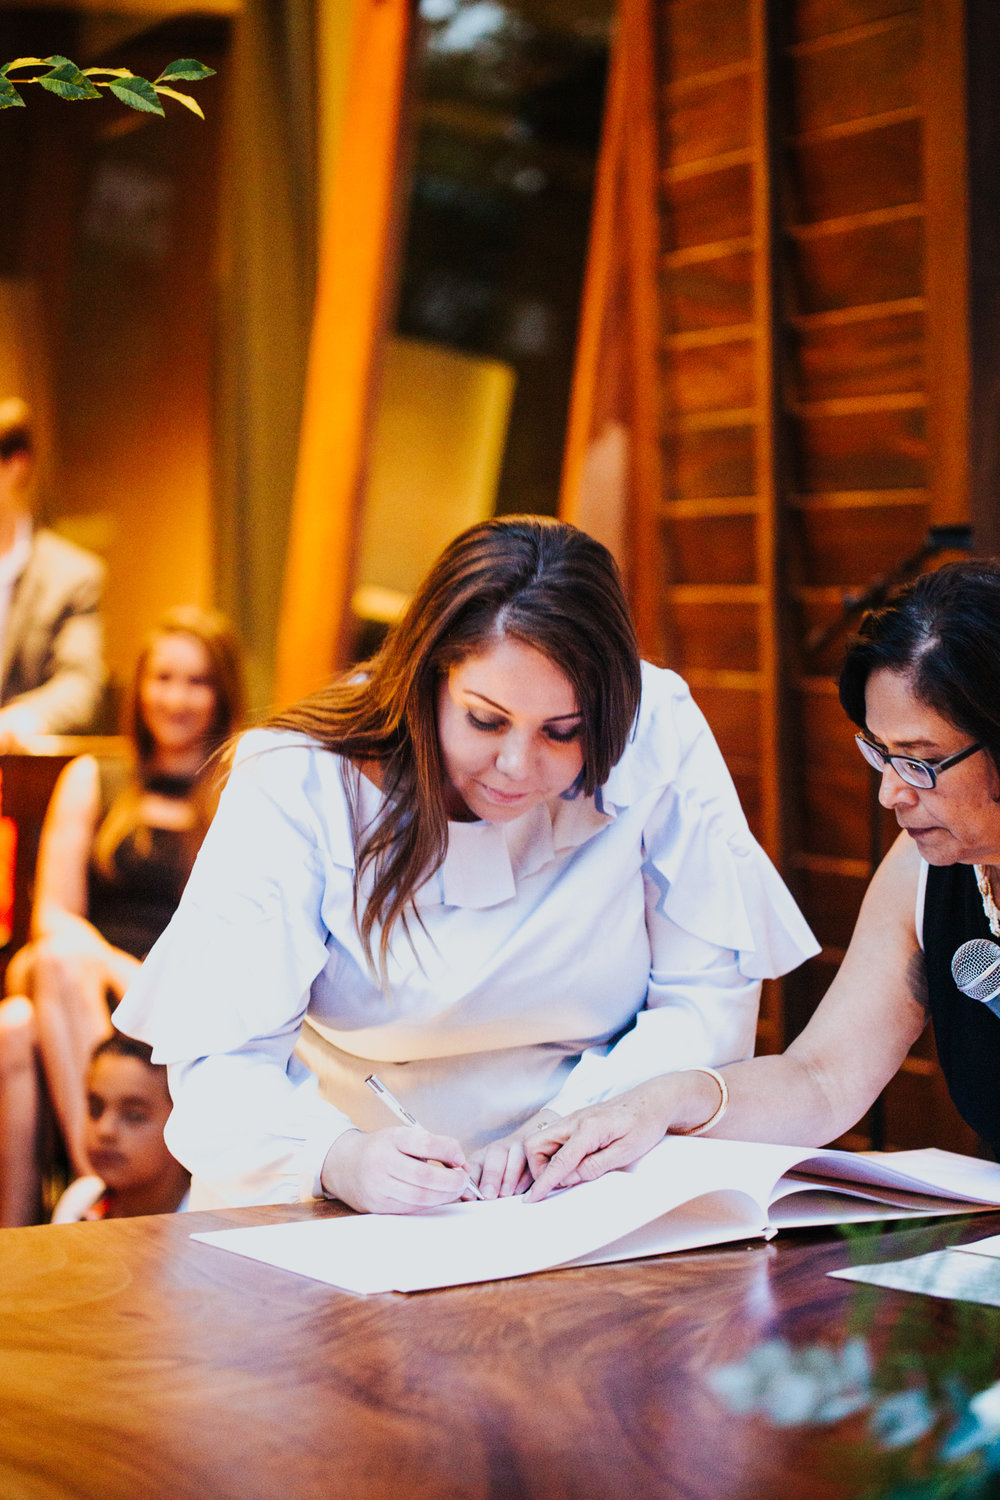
(68, 82)
(186, 69)
(9, 97)
(137, 93)
(24, 62)
(185, 99)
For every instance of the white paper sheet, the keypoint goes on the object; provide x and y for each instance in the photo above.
(685, 1193)
(946, 1172)
(940, 1273)
(989, 1246)
(466, 1242)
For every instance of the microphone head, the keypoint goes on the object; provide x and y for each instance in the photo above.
(975, 969)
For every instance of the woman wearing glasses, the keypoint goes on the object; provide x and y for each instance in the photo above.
(922, 682)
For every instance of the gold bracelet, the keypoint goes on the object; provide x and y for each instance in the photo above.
(723, 1103)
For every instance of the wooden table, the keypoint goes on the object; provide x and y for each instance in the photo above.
(135, 1363)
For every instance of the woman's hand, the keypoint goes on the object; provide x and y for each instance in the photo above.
(501, 1168)
(592, 1141)
(394, 1171)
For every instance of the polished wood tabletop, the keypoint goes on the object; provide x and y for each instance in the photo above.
(135, 1362)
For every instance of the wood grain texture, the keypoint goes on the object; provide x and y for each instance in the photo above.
(696, 38)
(135, 1362)
(714, 292)
(858, 72)
(816, 18)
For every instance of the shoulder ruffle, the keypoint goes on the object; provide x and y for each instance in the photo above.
(716, 880)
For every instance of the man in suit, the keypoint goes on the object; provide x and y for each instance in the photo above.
(51, 635)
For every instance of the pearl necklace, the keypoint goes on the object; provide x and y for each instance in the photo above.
(989, 905)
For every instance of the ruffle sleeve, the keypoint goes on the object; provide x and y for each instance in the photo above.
(249, 936)
(716, 881)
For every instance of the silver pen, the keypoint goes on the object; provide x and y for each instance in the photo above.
(402, 1113)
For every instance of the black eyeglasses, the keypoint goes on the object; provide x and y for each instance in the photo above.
(919, 773)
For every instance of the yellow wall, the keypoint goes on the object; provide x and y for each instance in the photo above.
(437, 447)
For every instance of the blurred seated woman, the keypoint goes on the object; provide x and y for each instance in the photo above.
(922, 682)
(117, 846)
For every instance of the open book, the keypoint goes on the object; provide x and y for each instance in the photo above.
(687, 1192)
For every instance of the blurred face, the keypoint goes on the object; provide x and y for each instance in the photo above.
(127, 1108)
(958, 822)
(510, 732)
(177, 696)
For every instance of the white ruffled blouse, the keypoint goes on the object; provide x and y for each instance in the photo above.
(559, 958)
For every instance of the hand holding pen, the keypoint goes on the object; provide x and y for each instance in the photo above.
(402, 1113)
(398, 1170)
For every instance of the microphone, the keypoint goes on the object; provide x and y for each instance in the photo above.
(975, 969)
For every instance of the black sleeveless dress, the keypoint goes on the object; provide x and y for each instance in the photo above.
(132, 905)
(967, 1033)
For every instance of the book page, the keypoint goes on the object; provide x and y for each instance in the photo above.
(944, 1174)
(807, 1206)
(716, 1219)
(989, 1247)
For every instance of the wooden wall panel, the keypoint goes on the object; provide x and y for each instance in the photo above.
(855, 169)
(835, 807)
(857, 73)
(857, 412)
(707, 206)
(861, 449)
(715, 630)
(709, 119)
(730, 711)
(695, 38)
(878, 256)
(711, 374)
(801, 426)
(713, 289)
(860, 355)
(845, 546)
(815, 18)
(706, 548)
(833, 896)
(708, 462)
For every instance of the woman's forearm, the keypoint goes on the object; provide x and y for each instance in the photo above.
(782, 1098)
(769, 1099)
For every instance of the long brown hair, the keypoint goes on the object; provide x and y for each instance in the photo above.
(528, 578)
(225, 655)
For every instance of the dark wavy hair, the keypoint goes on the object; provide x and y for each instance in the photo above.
(120, 1045)
(943, 633)
(526, 578)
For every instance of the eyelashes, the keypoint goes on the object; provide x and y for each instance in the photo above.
(497, 726)
(485, 726)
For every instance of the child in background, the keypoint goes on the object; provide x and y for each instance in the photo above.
(127, 1108)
